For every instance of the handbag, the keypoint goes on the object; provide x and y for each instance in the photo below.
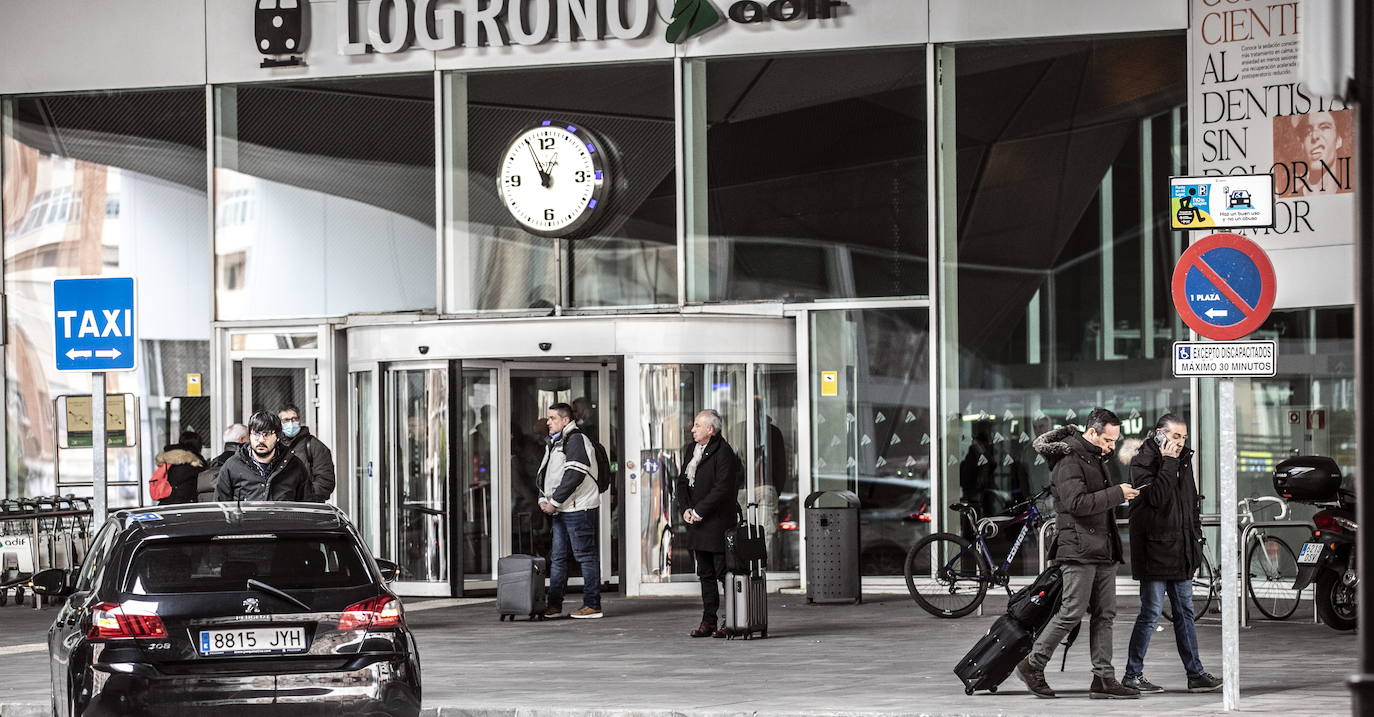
(746, 545)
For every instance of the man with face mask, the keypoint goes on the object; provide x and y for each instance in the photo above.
(314, 454)
(263, 469)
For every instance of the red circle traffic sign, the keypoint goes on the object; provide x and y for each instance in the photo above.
(1224, 286)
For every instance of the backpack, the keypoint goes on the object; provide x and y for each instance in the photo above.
(1035, 604)
(206, 481)
(158, 486)
(603, 466)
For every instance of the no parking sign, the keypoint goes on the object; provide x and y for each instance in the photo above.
(1224, 286)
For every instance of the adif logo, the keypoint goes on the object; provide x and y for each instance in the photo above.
(250, 606)
(693, 17)
(279, 28)
(690, 17)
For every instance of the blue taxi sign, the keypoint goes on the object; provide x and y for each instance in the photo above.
(94, 324)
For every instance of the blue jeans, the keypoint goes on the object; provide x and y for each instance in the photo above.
(1152, 593)
(575, 533)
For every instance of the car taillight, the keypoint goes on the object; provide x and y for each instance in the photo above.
(1327, 523)
(111, 620)
(381, 611)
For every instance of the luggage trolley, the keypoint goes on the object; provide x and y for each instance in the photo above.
(37, 534)
(18, 550)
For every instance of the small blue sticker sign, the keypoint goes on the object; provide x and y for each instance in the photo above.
(144, 517)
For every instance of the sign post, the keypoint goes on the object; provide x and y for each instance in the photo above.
(94, 330)
(1224, 288)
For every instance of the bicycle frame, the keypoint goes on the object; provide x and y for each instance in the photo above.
(997, 572)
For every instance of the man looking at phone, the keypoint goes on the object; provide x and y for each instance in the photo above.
(1166, 530)
(1087, 549)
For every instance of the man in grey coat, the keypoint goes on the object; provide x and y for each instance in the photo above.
(1087, 549)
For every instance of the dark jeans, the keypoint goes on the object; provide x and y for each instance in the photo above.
(1185, 632)
(711, 570)
(575, 533)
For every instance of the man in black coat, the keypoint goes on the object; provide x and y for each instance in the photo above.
(1087, 548)
(1166, 527)
(314, 454)
(263, 469)
(705, 494)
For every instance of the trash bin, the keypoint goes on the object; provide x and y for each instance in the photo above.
(832, 548)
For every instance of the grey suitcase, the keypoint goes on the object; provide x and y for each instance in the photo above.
(520, 580)
(520, 586)
(746, 596)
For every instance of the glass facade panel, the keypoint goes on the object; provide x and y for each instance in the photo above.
(1060, 298)
(419, 404)
(870, 417)
(324, 198)
(670, 397)
(478, 404)
(365, 474)
(809, 177)
(775, 464)
(626, 253)
(104, 184)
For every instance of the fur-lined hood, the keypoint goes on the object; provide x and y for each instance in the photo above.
(1054, 444)
(180, 457)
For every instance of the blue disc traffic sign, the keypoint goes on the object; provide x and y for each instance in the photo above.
(1224, 286)
(94, 324)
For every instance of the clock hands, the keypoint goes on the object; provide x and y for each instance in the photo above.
(544, 177)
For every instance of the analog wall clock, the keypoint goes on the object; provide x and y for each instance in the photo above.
(554, 179)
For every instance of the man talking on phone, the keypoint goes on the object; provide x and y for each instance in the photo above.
(1166, 530)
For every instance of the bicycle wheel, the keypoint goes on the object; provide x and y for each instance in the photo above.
(1204, 592)
(945, 575)
(1273, 567)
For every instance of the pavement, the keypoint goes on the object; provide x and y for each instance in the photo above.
(883, 657)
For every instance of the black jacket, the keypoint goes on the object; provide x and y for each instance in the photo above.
(285, 478)
(1166, 520)
(712, 496)
(318, 461)
(182, 468)
(1083, 502)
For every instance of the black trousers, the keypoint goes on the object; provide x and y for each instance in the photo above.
(711, 571)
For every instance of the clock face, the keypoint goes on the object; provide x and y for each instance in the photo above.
(553, 179)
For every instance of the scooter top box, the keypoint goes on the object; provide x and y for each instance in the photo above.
(1312, 479)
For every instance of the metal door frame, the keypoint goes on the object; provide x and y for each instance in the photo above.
(440, 588)
(501, 506)
(312, 378)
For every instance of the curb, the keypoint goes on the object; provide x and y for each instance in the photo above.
(33, 709)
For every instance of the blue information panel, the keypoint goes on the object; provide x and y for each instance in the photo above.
(94, 324)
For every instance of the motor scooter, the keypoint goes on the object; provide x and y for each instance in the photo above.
(1328, 558)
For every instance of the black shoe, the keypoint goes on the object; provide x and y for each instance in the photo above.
(1034, 679)
(1107, 688)
(1140, 683)
(1204, 682)
(705, 629)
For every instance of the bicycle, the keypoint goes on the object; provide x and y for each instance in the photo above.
(1271, 564)
(948, 576)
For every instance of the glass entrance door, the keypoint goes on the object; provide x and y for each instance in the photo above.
(270, 384)
(414, 502)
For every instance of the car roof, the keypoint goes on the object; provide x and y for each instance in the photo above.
(199, 519)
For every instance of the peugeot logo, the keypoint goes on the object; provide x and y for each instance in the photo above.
(250, 606)
(279, 28)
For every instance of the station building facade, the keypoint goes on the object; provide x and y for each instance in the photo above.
(890, 241)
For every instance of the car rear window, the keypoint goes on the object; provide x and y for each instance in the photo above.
(226, 563)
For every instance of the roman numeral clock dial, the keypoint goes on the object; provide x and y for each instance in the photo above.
(553, 179)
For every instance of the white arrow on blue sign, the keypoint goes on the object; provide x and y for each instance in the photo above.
(94, 324)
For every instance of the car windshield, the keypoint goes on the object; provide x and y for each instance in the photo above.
(225, 563)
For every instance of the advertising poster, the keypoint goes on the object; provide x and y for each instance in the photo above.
(1250, 114)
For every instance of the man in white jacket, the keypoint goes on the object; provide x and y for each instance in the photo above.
(568, 492)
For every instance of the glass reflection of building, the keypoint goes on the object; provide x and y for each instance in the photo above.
(935, 252)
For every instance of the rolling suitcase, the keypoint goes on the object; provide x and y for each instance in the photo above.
(746, 595)
(995, 655)
(520, 582)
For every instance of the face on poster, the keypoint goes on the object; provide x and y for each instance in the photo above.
(1250, 114)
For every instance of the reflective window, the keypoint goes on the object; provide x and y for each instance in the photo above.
(536, 220)
(670, 397)
(1060, 301)
(205, 566)
(809, 177)
(870, 417)
(104, 184)
(419, 474)
(775, 464)
(324, 198)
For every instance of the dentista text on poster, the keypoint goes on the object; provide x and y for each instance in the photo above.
(1249, 114)
(1225, 358)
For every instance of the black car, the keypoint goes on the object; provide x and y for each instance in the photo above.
(250, 608)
